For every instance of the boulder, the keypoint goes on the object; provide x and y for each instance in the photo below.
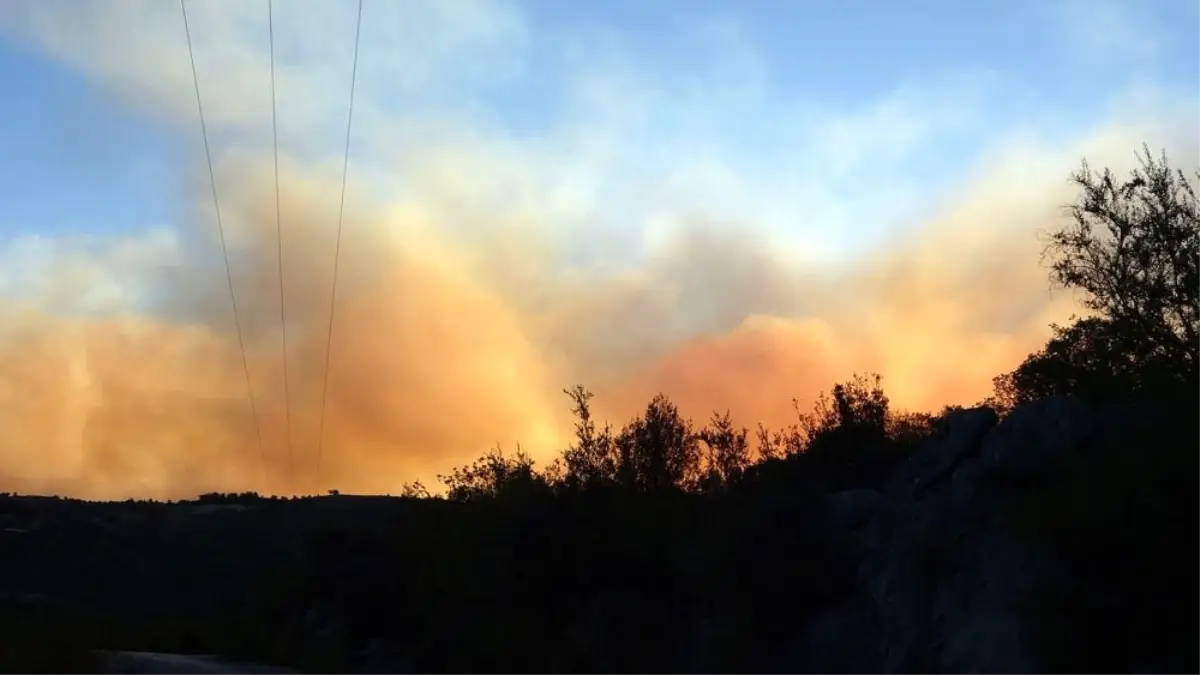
(937, 583)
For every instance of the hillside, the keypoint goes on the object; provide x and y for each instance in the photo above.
(938, 568)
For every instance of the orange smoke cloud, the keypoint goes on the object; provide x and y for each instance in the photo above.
(443, 346)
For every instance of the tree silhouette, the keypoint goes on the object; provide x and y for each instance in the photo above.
(491, 475)
(1132, 250)
(658, 450)
(1091, 357)
(592, 460)
(726, 452)
(852, 438)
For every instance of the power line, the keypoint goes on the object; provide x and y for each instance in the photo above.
(287, 399)
(212, 180)
(337, 248)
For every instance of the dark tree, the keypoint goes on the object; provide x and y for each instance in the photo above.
(658, 450)
(1132, 248)
(592, 459)
(858, 408)
(1092, 357)
(1132, 251)
(491, 475)
(850, 438)
(727, 451)
(846, 439)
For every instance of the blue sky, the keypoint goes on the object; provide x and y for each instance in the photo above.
(79, 158)
(66, 173)
(827, 129)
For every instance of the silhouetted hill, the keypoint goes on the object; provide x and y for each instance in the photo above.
(967, 558)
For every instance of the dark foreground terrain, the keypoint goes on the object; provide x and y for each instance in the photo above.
(1061, 537)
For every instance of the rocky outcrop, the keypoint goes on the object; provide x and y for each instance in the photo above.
(938, 582)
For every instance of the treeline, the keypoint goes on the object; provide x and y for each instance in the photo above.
(851, 439)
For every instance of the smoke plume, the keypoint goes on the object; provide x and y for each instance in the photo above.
(443, 346)
(475, 283)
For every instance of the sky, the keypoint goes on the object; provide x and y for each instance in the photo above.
(734, 203)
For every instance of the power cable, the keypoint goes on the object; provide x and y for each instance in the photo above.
(338, 245)
(287, 399)
(212, 180)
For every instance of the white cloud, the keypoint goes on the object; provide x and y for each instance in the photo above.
(87, 275)
(633, 154)
(409, 50)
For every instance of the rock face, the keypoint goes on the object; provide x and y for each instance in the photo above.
(937, 581)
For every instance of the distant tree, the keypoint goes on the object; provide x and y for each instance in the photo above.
(781, 443)
(415, 490)
(491, 475)
(592, 459)
(659, 450)
(859, 404)
(851, 414)
(726, 451)
(912, 428)
(846, 439)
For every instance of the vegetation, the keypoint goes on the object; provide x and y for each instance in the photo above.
(1124, 518)
(664, 545)
(1131, 253)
